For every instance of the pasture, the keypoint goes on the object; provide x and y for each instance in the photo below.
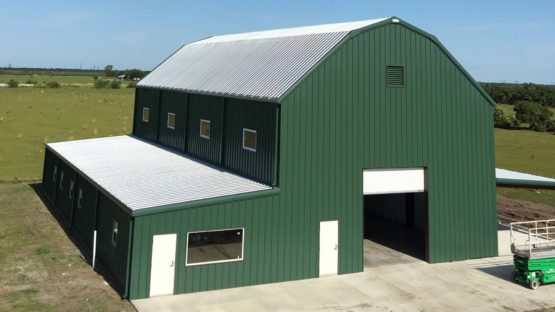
(31, 117)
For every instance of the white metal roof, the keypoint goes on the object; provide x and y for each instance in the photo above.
(519, 177)
(142, 175)
(260, 65)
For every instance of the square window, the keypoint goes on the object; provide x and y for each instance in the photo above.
(171, 121)
(114, 233)
(205, 128)
(249, 139)
(146, 114)
(214, 246)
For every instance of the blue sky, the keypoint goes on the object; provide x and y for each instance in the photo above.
(494, 40)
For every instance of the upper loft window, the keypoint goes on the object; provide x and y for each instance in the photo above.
(395, 76)
(249, 139)
(171, 121)
(114, 233)
(146, 114)
(205, 128)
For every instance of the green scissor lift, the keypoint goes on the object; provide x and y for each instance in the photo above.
(533, 248)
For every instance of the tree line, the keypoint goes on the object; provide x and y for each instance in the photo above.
(531, 103)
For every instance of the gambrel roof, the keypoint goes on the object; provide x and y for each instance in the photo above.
(260, 65)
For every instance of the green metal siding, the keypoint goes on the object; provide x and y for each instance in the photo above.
(146, 98)
(348, 120)
(48, 182)
(84, 217)
(209, 108)
(113, 258)
(63, 202)
(268, 255)
(173, 102)
(257, 116)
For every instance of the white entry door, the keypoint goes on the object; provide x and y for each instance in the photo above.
(329, 247)
(162, 268)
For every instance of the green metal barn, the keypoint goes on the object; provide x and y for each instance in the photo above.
(272, 156)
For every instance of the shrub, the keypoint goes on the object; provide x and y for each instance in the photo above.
(13, 83)
(500, 120)
(537, 115)
(29, 81)
(99, 84)
(132, 84)
(53, 84)
(115, 84)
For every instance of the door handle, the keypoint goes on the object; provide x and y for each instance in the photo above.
(335, 248)
(171, 265)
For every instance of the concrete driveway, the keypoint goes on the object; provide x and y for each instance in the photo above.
(391, 281)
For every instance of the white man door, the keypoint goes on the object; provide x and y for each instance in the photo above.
(162, 268)
(329, 247)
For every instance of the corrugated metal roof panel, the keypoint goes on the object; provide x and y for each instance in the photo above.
(142, 175)
(508, 177)
(260, 65)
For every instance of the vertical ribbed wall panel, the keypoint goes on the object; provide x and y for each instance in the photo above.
(145, 97)
(113, 258)
(48, 179)
(84, 216)
(209, 108)
(176, 103)
(257, 116)
(63, 202)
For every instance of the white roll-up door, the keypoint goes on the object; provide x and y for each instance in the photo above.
(389, 181)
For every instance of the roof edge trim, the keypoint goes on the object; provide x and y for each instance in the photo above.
(204, 202)
(524, 183)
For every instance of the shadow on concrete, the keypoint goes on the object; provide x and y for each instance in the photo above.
(86, 253)
(502, 270)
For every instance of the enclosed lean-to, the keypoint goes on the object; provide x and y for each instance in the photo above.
(274, 155)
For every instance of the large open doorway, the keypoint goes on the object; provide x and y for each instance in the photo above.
(395, 209)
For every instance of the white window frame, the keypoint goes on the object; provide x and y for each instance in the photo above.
(174, 121)
(218, 261)
(255, 140)
(143, 117)
(79, 197)
(115, 230)
(200, 129)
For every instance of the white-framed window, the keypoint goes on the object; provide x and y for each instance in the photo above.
(54, 174)
(205, 129)
(61, 179)
(71, 185)
(79, 197)
(146, 114)
(114, 233)
(249, 139)
(215, 246)
(171, 121)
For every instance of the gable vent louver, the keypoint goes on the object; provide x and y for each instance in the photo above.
(395, 76)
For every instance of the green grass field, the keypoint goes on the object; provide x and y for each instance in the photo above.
(44, 78)
(31, 117)
(40, 268)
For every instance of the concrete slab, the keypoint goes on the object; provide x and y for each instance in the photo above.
(405, 284)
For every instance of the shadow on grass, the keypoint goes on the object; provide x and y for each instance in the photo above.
(86, 253)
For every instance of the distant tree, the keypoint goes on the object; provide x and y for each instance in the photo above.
(538, 116)
(53, 84)
(108, 70)
(13, 83)
(95, 77)
(134, 73)
(115, 84)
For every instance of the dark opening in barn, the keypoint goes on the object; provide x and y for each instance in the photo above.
(397, 221)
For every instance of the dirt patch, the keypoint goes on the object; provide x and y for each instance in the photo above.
(514, 210)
